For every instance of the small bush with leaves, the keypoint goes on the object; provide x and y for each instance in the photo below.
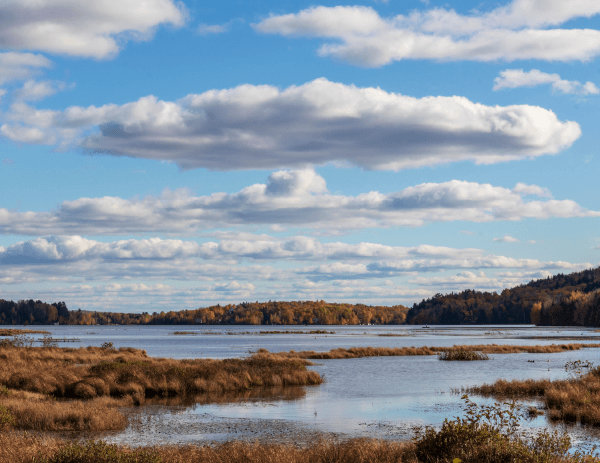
(6, 418)
(489, 434)
(99, 452)
(107, 346)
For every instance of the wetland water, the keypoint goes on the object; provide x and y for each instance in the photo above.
(381, 397)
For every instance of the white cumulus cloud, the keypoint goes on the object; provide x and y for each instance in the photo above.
(263, 127)
(21, 66)
(514, 78)
(295, 199)
(506, 239)
(89, 29)
(516, 31)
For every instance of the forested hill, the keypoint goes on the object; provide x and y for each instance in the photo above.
(571, 299)
(247, 313)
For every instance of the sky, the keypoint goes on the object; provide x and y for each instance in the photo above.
(159, 155)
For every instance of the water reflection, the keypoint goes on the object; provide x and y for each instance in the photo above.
(269, 396)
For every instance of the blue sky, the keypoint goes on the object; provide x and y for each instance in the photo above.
(165, 156)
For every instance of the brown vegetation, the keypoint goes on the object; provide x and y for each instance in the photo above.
(95, 372)
(43, 413)
(462, 355)
(359, 352)
(105, 378)
(571, 400)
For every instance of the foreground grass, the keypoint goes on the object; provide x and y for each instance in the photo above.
(487, 434)
(359, 352)
(51, 388)
(576, 399)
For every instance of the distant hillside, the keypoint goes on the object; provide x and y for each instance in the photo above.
(247, 313)
(561, 300)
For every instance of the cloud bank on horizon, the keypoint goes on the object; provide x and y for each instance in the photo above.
(137, 137)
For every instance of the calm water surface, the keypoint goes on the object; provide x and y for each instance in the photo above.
(376, 396)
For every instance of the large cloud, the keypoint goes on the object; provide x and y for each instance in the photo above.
(89, 28)
(293, 199)
(259, 127)
(513, 32)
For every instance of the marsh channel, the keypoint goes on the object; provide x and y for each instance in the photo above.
(379, 397)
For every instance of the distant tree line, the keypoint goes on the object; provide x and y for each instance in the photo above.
(247, 313)
(560, 300)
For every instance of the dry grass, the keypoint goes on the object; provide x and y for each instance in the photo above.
(90, 383)
(91, 372)
(471, 443)
(17, 448)
(39, 412)
(359, 352)
(462, 355)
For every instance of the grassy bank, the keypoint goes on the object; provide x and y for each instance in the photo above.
(359, 352)
(576, 399)
(487, 434)
(51, 388)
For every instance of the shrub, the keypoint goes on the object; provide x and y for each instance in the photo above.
(107, 346)
(489, 434)
(6, 418)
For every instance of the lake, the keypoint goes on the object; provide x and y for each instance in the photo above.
(383, 397)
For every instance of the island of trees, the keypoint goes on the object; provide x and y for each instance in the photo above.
(562, 300)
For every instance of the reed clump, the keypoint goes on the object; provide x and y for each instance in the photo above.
(462, 355)
(359, 352)
(576, 399)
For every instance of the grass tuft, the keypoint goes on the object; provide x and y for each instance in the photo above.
(462, 355)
